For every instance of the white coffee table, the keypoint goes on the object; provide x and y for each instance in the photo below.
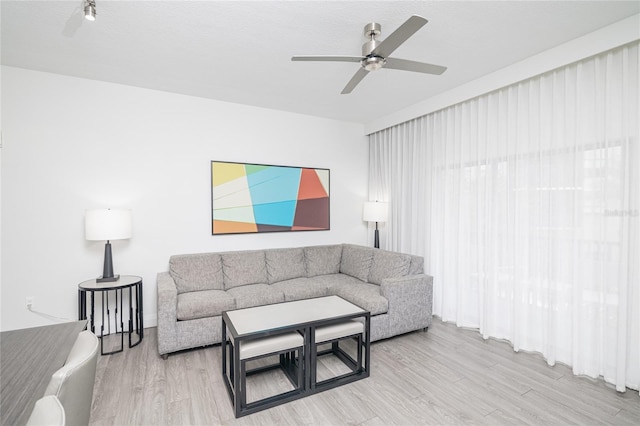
(303, 316)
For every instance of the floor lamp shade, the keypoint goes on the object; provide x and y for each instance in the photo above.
(375, 211)
(107, 225)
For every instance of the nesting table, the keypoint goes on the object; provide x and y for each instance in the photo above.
(131, 283)
(272, 330)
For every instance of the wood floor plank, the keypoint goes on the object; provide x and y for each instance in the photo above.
(177, 387)
(351, 406)
(387, 377)
(179, 412)
(601, 392)
(626, 417)
(446, 376)
(151, 384)
(565, 393)
(561, 413)
(505, 417)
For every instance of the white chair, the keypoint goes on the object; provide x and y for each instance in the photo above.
(73, 383)
(48, 411)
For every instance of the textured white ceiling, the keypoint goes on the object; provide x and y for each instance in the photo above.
(240, 51)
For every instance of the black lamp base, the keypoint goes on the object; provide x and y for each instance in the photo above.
(108, 279)
(107, 270)
(376, 238)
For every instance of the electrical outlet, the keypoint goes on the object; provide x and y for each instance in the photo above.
(29, 302)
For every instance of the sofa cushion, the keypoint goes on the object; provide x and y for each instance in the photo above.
(356, 261)
(333, 281)
(387, 264)
(417, 265)
(243, 267)
(285, 264)
(367, 296)
(203, 304)
(301, 288)
(195, 272)
(247, 296)
(322, 260)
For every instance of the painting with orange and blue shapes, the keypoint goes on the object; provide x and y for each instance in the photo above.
(250, 198)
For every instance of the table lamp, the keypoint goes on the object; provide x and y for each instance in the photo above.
(107, 224)
(375, 211)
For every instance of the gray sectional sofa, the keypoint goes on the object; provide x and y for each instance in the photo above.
(198, 287)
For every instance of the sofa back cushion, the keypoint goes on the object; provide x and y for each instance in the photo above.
(387, 264)
(195, 272)
(322, 260)
(417, 265)
(285, 264)
(356, 261)
(243, 267)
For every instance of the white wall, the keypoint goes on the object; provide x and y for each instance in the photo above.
(71, 144)
(609, 37)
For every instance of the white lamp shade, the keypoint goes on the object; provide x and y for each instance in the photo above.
(375, 211)
(107, 224)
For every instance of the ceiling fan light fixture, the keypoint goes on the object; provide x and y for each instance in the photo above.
(90, 10)
(373, 63)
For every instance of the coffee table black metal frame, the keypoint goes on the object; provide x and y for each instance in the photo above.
(131, 282)
(232, 374)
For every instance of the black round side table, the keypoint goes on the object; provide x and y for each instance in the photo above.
(131, 282)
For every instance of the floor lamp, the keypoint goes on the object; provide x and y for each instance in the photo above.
(107, 225)
(375, 211)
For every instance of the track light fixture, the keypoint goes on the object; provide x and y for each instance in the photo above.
(90, 10)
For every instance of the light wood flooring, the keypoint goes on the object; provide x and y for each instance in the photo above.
(444, 376)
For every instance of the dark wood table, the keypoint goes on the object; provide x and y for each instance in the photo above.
(28, 359)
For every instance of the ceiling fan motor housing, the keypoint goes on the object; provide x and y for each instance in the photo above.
(372, 62)
(371, 31)
(368, 47)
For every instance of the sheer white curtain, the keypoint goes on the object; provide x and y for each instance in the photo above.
(525, 204)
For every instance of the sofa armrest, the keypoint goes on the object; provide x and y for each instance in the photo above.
(410, 301)
(167, 305)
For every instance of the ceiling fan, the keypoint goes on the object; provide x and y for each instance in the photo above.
(375, 53)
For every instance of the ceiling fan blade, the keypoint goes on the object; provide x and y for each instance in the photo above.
(357, 78)
(399, 36)
(328, 58)
(405, 65)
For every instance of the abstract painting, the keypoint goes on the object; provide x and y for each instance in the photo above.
(250, 198)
